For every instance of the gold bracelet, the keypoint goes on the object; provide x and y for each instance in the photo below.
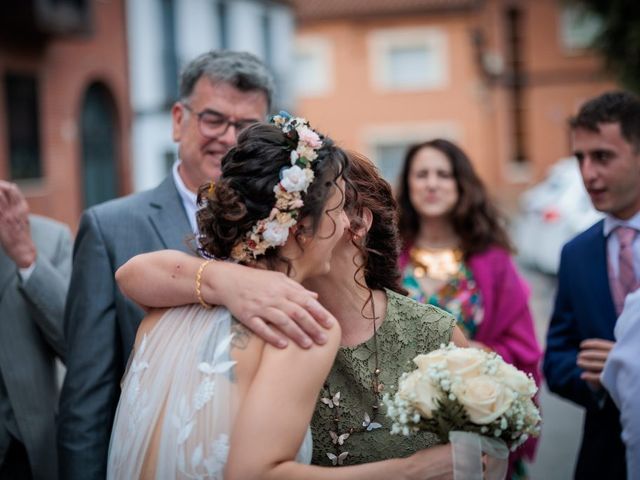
(203, 265)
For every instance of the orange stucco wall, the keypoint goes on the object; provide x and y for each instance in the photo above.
(355, 106)
(557, 81)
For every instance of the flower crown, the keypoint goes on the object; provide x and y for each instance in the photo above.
(273, 231)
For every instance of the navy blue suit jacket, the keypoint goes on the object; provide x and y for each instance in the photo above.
(584, 309)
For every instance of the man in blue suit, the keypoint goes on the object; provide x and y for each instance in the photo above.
(597, 269)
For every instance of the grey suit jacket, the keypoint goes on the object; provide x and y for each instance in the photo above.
(100, 323)
(31, 336)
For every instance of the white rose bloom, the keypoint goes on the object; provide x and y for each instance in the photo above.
(424, 361)
(484, 398)
(294, 179)
(275, 233)
(310, 175)
(421, 391)
(516, 380)
(307, 152)
(465, 362)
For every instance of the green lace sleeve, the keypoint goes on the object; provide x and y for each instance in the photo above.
(348, 428)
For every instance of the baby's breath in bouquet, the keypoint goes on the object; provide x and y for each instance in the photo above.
(469, 397)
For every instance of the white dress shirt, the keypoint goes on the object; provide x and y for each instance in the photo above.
(189, 198)
(25, 273)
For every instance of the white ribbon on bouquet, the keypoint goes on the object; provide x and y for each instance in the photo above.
(468, 448)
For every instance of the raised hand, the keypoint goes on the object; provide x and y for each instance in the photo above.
(15, 231)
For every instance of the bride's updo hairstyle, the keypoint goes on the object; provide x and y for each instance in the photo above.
(244, 194)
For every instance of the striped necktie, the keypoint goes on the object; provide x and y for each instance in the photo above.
(626, 273)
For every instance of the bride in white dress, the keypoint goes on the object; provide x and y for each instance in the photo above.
(196, 376)
(204, 398)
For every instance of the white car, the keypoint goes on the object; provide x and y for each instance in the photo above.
(551, 214)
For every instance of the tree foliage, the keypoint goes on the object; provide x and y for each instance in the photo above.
(619, 38)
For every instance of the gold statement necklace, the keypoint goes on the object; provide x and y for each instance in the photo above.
(435, 263)
(338, 432)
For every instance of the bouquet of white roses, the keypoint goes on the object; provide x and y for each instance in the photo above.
(472, 398)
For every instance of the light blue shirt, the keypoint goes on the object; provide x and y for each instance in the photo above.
(621, 378)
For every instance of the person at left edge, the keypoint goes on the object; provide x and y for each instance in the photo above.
(221, 93)
(35, 266)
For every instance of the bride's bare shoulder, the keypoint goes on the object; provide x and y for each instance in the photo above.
(310, 357)
(246, 350)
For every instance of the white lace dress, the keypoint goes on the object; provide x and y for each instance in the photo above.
(177, 404)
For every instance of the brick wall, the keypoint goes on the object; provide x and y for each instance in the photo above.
(65, 66)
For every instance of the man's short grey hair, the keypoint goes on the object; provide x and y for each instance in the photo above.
(242, 70)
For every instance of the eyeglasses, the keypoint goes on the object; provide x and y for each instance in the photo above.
(213, 124)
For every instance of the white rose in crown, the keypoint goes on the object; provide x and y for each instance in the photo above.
(276, 233)
(307, 152)
(420, 390)
(295, 179)
(484, 398)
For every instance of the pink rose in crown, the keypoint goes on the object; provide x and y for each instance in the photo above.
(309, 137)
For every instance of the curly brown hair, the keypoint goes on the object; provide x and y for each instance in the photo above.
(244, 193)
(475, 219)
(380, 246)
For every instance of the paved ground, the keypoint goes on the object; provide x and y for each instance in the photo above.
(562, 421)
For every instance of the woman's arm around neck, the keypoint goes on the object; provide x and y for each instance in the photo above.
(270, 304)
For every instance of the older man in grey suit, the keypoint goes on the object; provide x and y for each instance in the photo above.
(220, 94)
(35, 265)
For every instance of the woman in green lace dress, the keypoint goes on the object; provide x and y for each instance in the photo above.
(349, 425)
(354, 429)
